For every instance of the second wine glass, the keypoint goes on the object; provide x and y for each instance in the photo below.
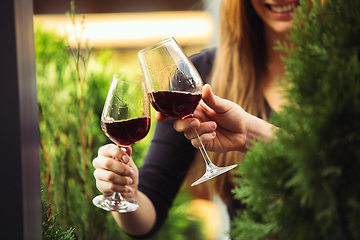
(125, 120)
(174, 88)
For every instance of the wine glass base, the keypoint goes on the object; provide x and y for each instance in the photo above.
(214, 172)
(121, 206)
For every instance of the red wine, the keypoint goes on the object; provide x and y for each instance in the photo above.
(128, 132)
(174, 103)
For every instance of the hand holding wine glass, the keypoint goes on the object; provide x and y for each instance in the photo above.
(174, 88)
(222, 124)
(125, 120)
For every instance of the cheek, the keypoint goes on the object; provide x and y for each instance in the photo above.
(259, 8)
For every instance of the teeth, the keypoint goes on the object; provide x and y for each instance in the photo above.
(283, 9)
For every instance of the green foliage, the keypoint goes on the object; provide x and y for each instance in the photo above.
(178, 226)
(304, 185)
(69, 141)
(72, 87)
(49, 232)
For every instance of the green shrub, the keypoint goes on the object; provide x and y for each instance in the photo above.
(305, 185)
(49, 232)
(70, 135)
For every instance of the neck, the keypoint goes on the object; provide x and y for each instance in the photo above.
(274, 69)
(273, 62)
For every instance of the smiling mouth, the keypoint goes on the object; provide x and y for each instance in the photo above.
(286, 8)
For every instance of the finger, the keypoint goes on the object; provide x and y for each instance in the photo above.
(204, 128)
(160, 117)
(206, 138)
(207, 127)
(128, 194)
(111, 177)
(187, 124)
(113, 165)
(216, 103)
(111, 151)
(108, 188)
(127, 149)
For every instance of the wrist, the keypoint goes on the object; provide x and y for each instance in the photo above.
(249, 131)
(257, 128)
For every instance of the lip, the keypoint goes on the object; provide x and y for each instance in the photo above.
(282, 11)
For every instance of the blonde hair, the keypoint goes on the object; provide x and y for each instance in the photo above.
(240, 58)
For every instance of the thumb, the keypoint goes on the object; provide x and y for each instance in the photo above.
(127, 150)
(216, 103)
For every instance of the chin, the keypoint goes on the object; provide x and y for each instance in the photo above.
(282, 27)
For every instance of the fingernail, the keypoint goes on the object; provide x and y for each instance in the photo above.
(125, 158)
(213, 134)
(194, 124)
(131, 181)
(213, 125)
(130, 189)
(131, 172)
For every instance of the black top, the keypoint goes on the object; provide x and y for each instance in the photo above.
(170, 156)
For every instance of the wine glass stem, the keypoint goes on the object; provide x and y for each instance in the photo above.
(117, 196)
(209, 164)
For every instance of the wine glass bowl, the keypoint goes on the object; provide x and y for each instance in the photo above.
(126, 116)
(125, 120)
(174, 88)
(173, 84)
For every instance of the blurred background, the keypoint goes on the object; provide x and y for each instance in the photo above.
(75, 60)
(128, 26)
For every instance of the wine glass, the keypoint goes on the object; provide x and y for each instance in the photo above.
(125, 120)
(174, 88)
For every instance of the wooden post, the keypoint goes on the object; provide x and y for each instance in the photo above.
(20, 200)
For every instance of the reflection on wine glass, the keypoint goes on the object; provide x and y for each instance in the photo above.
(125, 120)
(174, 88)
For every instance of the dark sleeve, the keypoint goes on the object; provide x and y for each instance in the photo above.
(204, 62)
(169, 158)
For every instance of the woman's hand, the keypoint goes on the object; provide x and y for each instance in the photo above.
(115, 171)
(221, 124)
